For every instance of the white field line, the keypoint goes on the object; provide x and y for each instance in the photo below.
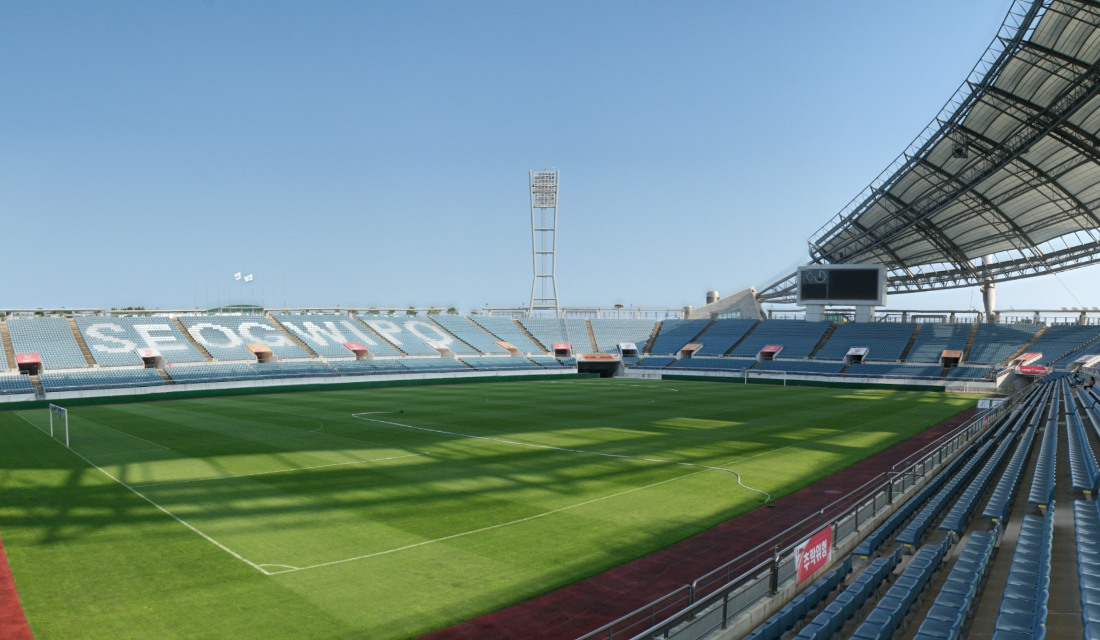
(166, 511)
(290, 568)
(703, 468)
(118, 454)
(617, 384)
(547, 447)
(266, 473)
(159, 446)
(325, 434)
(473, 531)
(767, 496)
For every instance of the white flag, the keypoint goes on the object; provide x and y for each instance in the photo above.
(237, 276)
(248, 278)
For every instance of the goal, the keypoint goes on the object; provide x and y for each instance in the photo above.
(60, 416)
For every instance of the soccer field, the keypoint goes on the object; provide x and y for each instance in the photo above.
(387, 513)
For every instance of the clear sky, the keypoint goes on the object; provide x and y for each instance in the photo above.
(377, 153)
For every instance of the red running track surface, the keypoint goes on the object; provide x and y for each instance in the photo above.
(13, 624)
(573, 611)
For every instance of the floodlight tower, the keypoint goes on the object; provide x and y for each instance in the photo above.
(544, 232)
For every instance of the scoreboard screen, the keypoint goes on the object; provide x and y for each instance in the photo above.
(858, 284)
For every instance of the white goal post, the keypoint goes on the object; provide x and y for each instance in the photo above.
(62, 415)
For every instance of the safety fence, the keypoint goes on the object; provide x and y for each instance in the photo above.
(714, 600)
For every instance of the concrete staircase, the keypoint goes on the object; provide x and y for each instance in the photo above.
(592, 336)
(909, 345)
(80, 342)
(186, 334)
(293, 338)
(9, 350)
(377, 335)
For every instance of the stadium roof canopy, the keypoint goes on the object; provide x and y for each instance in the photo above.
(1005, 181)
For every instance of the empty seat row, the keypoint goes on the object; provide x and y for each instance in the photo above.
(793, 612)
(723, 334)
(1082, 462)
(90, 379)
(889, 612)
(712, 364)
(881, 534)
(959, 515)
(499, 363)
(1042, 483)
(471, 333)
(326, 334)
(1023, 611)
(548, 362)
(798, 338)
(1092, 408)
(610, 332)
(376, 366)
(994, 343)
(655, 362)
(302, 369)
(672, 335)
(508, 330)
(1062, 339)
(933, 339)
(230, 372)
(818, 367)
(415, 336)
(884, 341)
(51, 338)
(551, 330)
(970, 372)
(1004, 494)
(894, 370)
(115, 341)
(948, 613)
(828, 622)
(1087, 530)
(914, 532)
(15, 384)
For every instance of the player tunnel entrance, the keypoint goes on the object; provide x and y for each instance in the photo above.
(607, 365)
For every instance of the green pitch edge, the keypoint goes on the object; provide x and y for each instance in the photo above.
(806, 383)
(297, 388)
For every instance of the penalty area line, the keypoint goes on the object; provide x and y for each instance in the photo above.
(499, 525)
(267, 473)
(531, 445)
(167, 512)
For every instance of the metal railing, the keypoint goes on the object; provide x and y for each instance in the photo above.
(716, 598)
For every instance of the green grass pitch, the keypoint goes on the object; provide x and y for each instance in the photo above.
(388, 513)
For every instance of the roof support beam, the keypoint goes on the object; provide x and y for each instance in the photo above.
(1013, 146)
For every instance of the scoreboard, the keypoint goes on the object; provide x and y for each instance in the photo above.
(855, 284)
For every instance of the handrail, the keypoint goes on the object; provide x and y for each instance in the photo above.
(799, 530)
(860, 495)
(648, 611)
(1011, 401)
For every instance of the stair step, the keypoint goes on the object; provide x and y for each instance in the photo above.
(80, 342)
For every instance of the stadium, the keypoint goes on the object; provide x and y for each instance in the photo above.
(794, 460)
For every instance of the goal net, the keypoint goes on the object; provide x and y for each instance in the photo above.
(59, 423)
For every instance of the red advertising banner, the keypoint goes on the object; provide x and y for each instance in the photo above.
(814, 553)
(1033, 370)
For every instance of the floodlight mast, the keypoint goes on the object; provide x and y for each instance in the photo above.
(544, 233)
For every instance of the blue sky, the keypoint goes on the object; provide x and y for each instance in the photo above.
(377, 153)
